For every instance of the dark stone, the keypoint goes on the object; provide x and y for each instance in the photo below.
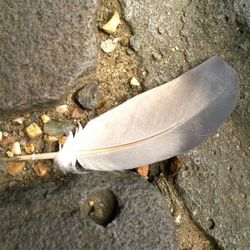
(49, 216)
(89, 96)
(101, 207)
(216, 174)
(44, 46)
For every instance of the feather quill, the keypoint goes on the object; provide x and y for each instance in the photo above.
(155, 125)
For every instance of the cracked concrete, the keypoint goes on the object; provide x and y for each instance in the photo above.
(186, 33)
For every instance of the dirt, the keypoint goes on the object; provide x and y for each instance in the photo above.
(112, 76)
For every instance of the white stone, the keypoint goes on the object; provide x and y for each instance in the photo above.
(19, 120)
(134, 82)
(111, 26)
(45, 118)
(62, 109)
(109, 45)
(16, 148)
(178, 219)
(5, 134)
(1, 135)
(9, 154)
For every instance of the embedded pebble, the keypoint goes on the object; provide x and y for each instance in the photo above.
(57, 128)
(75, 113)
(134, 82)
(130, 51)
(16, 148)
(5, 134)
(101, 207)
(89, 96)
(40, 169)
(45, 118)
(1, 135)
(178, 219)
(109, 45)
(143, 171)
(135, 43)
(157, 56)
(62, 109)
(50, 138)
(23, 141)
(30, 148)
(14, 168)
(111, 26)
(19, 120)
(9, 154)
(63, 140)
(33, 131)
(161, 30)
(210, 224)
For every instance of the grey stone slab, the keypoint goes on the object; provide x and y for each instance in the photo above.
(49, 216)
(44, 46)
(214, 182)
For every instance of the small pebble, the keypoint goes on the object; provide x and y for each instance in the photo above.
(16, 148)
(154, 171)
(130, 51)
(101, 207)
(50, 138)
(5, 127)
(9, 154)
(75, 113)
(210, 224)
(21, 133)
(143, 171)
(33, 131)
(178, 219)
(63, 140)
(29, 149)
(135, 43)
(134, 82)
(14, 168)
(5, 134)
(23, 142)
(45, 118)
(62, 109)
(89, 96)
(111, 26)
(19, 120)
(161, 30)
(57, 128)
(157, 56)
(41, 169)
(109, 45)
(1, 135)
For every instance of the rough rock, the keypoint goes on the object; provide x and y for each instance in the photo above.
(214, 182)
(242, 8)
(49, 215)
(44, 46)
(215, 185)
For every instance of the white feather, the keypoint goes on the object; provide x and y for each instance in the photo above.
(157, 124)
